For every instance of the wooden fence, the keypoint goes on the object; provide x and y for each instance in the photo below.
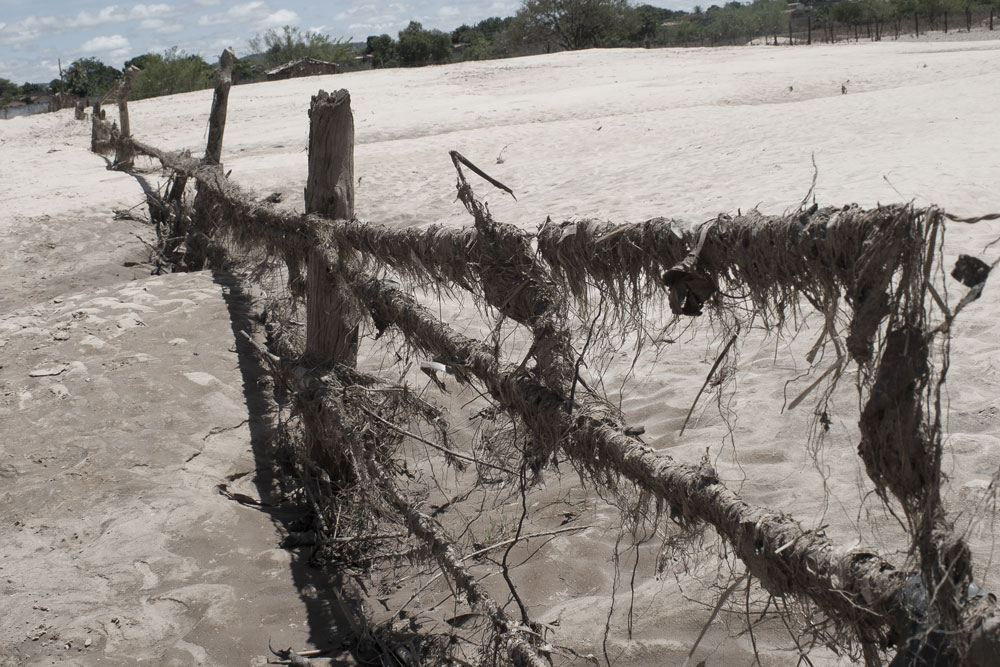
(869, 268)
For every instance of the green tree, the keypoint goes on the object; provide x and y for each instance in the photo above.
(684, 33)
(89, 77)
(278, 48)
(170, 73)
(382, 50)
(9, 91)
(876, 13)
(489, 38)
(419, 47)
(902, 9)
(32, 88)
(142, 61)
(466, 34)
(770, 18)
(247, 70)
(578, 24)
(494, 26)
(650, 19)
(730, 24)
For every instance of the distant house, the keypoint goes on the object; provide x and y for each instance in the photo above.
(302, 67)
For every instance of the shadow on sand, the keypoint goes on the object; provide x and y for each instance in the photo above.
(331, 623)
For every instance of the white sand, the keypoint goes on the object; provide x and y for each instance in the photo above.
(626, 135)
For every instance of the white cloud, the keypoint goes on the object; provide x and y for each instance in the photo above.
(256, 13)
(372, 28)
(110, 14)
(222, 43)
(245, 13)
(280, 18)
(147, 12)
(18, 34)
(357, 9)
(448, 11)
(160, 26)
(27, 29)
(115, 45)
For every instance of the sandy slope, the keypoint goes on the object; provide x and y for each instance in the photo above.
(621, 135)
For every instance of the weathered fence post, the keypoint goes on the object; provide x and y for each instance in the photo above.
(124, 156)
(80, 113)
(331, 324)
(220, 106)
(197, 241)
(100, 135)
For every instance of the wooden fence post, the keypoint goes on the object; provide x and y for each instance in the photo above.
(197, 240)
(331, 323)
(220, 106)
(100, 135)
(124, 156)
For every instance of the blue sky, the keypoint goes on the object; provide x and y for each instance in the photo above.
(34, 34)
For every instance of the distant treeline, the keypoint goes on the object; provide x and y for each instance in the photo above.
(539, 26)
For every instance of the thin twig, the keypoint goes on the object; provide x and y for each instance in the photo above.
(487, 549)
(505, 568)
(429, 443)
(457, 157)
(708, 378)
(715, 612)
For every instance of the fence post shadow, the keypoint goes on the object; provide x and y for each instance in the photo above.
(330, 622)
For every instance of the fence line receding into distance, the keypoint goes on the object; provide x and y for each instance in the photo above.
(869, 271)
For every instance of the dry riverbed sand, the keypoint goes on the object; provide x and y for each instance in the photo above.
(123, 403)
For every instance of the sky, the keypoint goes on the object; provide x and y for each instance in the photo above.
(35, 34)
